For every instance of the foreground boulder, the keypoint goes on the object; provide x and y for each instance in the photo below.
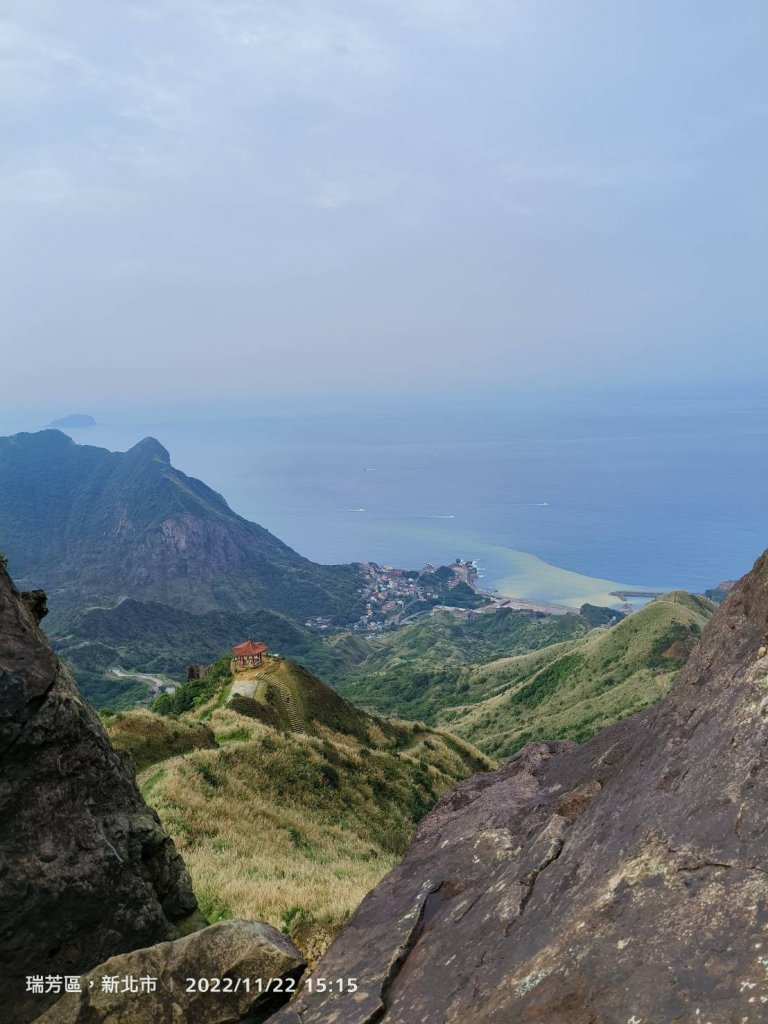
(621, 882)
(239, 953)
(86, 871)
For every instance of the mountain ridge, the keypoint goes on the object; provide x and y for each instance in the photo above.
(508, 677)
(85, 524)
(150, 637)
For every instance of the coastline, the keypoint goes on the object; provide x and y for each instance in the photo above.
(537, 585)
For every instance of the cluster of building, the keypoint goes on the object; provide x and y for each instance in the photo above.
(387, 592)
(390, 593)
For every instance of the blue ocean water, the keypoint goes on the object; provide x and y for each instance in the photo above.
(646, 491)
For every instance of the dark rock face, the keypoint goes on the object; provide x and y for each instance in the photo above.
(37, 602)
(622, 881)
(85, 869)
(196, 671)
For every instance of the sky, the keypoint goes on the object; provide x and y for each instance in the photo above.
(212, 198)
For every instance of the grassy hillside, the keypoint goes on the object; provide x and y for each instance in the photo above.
(149, 738)
(289, 803)
(155, 638)
(429, 665)
(573, 689)
(291, 827)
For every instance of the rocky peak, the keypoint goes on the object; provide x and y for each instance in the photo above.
(150, 448)
(623, 880)
(86, 871)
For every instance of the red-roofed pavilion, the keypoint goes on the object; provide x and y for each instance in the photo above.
(249, 654)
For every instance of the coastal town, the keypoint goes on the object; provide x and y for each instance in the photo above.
(394, 595)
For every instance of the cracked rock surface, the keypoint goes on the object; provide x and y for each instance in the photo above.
(86, 871)
(621, 882)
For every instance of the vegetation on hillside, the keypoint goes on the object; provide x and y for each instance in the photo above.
(107, 692)
(427, 666)
(153, 638)
(289, 827)
(458, 595)
(150, 738)
(289, 803)
(195, 692)
(572, 690)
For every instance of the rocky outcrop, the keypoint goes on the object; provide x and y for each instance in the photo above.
(197, 671)
(86, 871)
(37, 602)
(621, 882)
(244, 956)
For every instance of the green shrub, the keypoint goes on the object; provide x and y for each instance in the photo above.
(197, 691)
(547, 681)
(330, 776)
(294, 917)
(207, 774)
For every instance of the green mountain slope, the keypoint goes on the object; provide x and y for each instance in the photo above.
(429, 665)
(87, 525)
(283, 825)
(149, 637)
(573, 689)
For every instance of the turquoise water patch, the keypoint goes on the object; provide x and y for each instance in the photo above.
(533, 578)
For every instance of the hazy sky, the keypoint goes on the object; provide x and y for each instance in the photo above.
(324, 194)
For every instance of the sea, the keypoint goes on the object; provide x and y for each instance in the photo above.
(556, 498)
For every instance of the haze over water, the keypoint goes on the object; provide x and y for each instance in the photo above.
(221, 212)
(631, 491)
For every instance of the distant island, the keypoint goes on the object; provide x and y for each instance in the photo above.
(75, 420)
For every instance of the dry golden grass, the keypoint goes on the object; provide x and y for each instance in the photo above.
(149, 738)
(295, 829)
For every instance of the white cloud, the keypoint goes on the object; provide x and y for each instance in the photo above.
(416, 172)
(333, 190)
(599, 171)
(473, 22)
(45, 183)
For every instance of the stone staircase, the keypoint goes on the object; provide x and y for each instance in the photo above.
(297, 723)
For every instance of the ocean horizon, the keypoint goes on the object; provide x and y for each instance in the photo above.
(556, 501)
